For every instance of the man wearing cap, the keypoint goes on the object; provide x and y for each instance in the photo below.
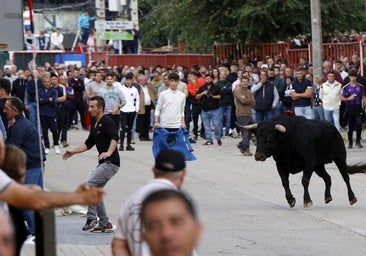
(169, 172)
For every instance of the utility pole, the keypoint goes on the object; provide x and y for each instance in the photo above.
(316, 34)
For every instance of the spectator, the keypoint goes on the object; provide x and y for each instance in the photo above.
(47, 111)
(132, 46)
(244, 101)
(84, 25)
(42, 41)
(19, 86)
(169, 173)
(209, 97)
(266, 98)
(301, 95)
(92, 40)
(29, 41)
(24, 134)
(162, 209)
(317, 101)
(104, 136)
(146, 104)
(76, 96)
(226, 101)
(330, 94)
(353, 95)
(57, 40)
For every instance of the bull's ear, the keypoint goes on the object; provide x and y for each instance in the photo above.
(280, 128)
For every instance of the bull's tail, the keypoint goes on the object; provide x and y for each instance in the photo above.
(357, 168)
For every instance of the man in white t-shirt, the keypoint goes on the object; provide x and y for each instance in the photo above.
(57, 40)
(169, 172)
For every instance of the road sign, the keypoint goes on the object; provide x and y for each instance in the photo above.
(113, 24)
(114, 35)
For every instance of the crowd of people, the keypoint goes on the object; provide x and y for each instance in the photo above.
(114, 103)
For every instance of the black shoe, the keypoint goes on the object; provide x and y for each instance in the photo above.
(349, 145)
(219, 142)
(192, 140)
(89, 225)
(358, 145)
(121, 148)
(130, 148)
(207, 143)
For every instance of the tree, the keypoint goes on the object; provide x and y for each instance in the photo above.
(200, 23)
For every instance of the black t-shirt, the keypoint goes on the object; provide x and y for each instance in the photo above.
(207, 101)
(101, 135)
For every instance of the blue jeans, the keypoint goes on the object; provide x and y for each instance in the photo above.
(33, 176)
(213, 115)
(263, 115)
(305, 112)
(84, 35)
(318, 112)
(32, 113)
(99, 178)
(226, 116)
(333, 117)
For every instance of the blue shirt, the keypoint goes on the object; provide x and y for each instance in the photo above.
(83, 21)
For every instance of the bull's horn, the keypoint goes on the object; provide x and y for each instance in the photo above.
(247, 127)
(280, 128)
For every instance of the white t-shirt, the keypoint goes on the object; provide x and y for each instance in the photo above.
(4, 183)
(170, 108)
(132, 99)
(129, 225)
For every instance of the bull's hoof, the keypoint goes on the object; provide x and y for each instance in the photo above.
(328, 200)
(308, 204)
(353, 201)
(292, 203)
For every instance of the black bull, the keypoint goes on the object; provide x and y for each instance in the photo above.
(298, 144)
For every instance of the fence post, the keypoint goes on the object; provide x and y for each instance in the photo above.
(45, 233)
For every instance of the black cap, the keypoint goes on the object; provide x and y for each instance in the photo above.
(169, 160)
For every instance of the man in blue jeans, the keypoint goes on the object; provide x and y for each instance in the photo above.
(209, 97)
(24, 134)
(103, 134)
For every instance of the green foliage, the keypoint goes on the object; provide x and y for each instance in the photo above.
(200, 23)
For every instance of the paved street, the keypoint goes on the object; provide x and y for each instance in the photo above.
(241, 203)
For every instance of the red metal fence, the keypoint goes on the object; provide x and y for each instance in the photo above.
(220, 53)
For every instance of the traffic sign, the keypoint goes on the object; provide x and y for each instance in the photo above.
(123, 35)
(113, 24)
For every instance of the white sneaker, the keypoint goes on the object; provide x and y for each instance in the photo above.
(46, 150)
(57, 149)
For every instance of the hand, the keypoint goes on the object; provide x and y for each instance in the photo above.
(67, 155)
(90, 195)
(104, 155)
(50, 98)
(156, 125)
(184, 125)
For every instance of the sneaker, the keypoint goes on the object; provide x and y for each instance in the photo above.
(130, 148)
(57, 149)
(219, 142)
(192, 140)
(358, 145)
(89, 225)
(47, 150)
(121, 148)
(208, 143)
(99, 228)
(247, 152)
(65, 144)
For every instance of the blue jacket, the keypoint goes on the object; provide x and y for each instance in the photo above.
(47, 107)
(83, 21)
(24, 134)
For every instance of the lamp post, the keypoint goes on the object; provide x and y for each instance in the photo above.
(316, 35)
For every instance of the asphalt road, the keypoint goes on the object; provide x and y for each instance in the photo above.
(240, 201)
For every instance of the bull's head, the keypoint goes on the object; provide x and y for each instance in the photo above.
(267, 138)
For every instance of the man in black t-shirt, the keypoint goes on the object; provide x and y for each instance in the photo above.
(103, 134)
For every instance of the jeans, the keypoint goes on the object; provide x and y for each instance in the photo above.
(245, 134)
(32, 113)
(226, 118)
(263, 115)
(319, 112)
(99, 178)
(84, 35)
(333, 117)
(33, 176)
(213, 115)
(305, 112)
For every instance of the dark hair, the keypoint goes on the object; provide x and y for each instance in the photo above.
(16, 104)
(100, 101)
(173, 76)
(5, 84)
(129, 76)
(352, 72)
(14, 158)
(210, 75)
(168, 194)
